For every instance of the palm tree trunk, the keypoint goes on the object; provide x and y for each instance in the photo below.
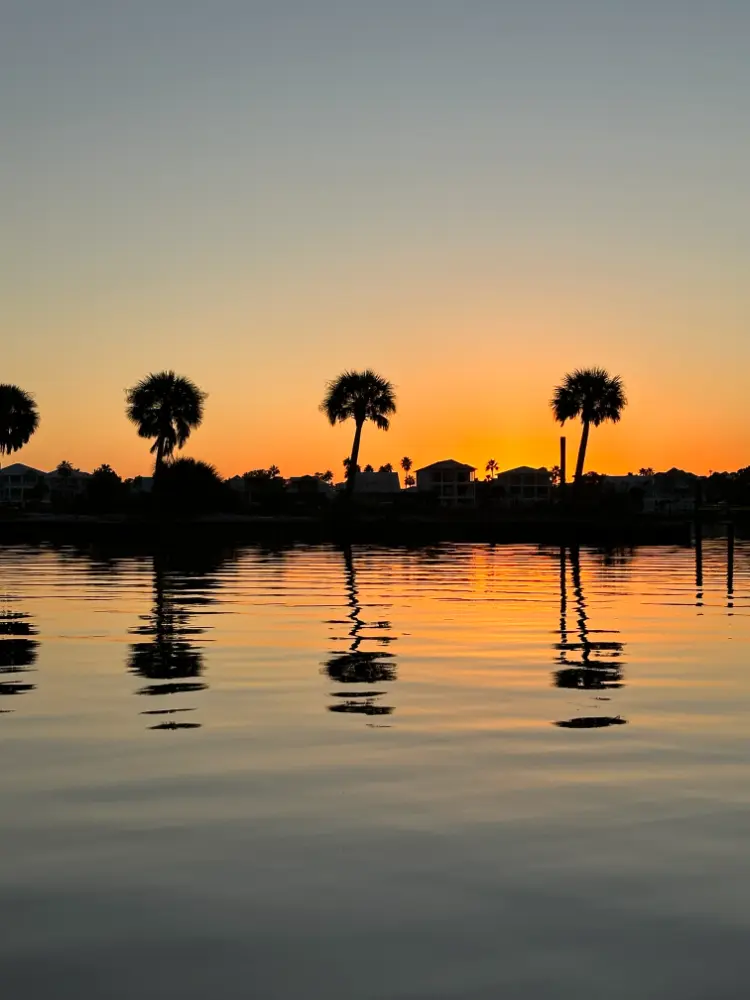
(582, 451)
(351, 472)
(159, 465)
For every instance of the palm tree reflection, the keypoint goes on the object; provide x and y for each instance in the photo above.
(18, 651)
(592, 722)
(357, 666)
(167, 657)
(585, 663)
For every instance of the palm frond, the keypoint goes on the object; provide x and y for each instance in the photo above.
(591, 394)
(19, 418)
(359, 396)
(167, 407)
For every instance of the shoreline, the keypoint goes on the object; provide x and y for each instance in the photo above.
(337, 529)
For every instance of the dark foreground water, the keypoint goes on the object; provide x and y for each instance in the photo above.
(463, 772)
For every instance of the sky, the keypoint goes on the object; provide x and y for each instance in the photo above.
(471, 198)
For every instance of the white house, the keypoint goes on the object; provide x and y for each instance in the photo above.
(453, 482)
(17, 480)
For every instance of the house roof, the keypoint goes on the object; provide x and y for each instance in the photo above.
(522, 469)
(18, 469)
(73, 474)
(448, 463)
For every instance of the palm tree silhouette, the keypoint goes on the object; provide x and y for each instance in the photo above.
(359, 396)
(167, 407)
(593, 395)
(19, 418)
(491, 467)
(406, 464)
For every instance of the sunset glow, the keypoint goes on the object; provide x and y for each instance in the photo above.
(467, 215)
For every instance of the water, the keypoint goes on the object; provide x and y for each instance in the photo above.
(463, 772)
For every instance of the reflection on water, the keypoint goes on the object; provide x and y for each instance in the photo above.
(591, 722)
(18, 650)
(587, 662)
(170, 656)
(355, 665)
(510, 836)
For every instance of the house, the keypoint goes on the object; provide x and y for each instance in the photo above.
(309, 486)
(140, 485)
(525, 484)
(452, 481)
(257, 487)
(375, 482)
(669, 492)
(20, 483)
(18, 480)
(66, 484)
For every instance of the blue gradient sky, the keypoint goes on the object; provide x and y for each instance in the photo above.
(470, 197)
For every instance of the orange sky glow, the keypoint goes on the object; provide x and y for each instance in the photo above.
(472, 203)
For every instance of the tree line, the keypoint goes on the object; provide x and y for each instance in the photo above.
(165, 408)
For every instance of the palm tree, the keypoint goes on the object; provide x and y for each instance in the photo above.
(491, 467)
(593, 395)
(360, 396)
(166, 407)
(19, 418)
(274, 471)
(407, 465)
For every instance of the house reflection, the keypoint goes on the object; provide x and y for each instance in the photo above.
(587, 661)
(167, 655)
(18, 652)
(356, 666)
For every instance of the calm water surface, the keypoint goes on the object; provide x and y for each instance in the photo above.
(464, 772)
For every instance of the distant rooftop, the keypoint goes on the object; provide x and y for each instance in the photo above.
(521, 469)
(19, 469)
(448, 463)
